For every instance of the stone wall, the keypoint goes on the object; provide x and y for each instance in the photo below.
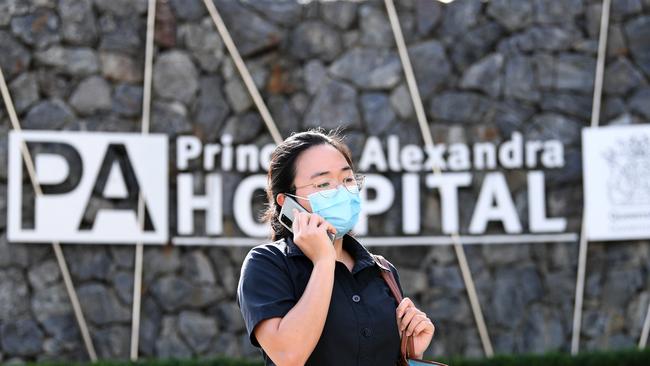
(484, 69)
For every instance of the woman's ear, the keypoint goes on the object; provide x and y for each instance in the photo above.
(280, 199)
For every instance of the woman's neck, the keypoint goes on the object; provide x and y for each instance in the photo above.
(342, 255)
(338, 246)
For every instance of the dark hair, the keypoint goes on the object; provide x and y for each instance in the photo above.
(282, 170)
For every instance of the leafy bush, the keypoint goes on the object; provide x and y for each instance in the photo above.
(632, 357)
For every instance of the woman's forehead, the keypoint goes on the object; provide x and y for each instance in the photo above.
(320, 158)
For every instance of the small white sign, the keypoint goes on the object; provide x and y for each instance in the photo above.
(616, 167)
(90, 183)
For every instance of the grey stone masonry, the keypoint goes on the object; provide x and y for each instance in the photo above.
(485, 69)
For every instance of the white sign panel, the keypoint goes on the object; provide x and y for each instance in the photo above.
(90, 184)
(616, 164)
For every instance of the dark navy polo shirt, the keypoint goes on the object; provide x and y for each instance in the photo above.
(361, 325)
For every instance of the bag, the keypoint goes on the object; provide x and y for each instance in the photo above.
(407, 347)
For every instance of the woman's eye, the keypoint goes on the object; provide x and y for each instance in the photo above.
(323, 185)
(349, 180)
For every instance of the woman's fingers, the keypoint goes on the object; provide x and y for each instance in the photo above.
(409, 314)
(306, 223)
(401, 308)
(421, 327)
(306, 218)
(418, 320)
(300, 220)
(315, 221)
(324, 223)
(406, 303)
(427, 324)
(410, 319)
(329, 227)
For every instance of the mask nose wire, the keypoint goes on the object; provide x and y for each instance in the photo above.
(335, 188)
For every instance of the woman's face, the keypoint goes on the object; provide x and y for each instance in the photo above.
(318, 168)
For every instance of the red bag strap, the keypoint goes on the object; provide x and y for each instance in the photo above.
(407, 346)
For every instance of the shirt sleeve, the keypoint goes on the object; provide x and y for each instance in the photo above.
(265, 288)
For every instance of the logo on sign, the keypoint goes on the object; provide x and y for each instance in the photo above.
(616, 175)
(90, 184)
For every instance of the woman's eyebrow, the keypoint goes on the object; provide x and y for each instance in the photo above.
(318, 174)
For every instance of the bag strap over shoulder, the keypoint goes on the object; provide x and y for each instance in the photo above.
(407, 345)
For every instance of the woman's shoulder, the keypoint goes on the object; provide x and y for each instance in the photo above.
(275, 247)
(383, 263)
(274, 251)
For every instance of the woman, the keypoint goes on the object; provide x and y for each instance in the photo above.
(306, 300)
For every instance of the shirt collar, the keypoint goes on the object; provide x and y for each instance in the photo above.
(361, 255)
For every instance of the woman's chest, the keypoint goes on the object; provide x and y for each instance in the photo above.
(361, 326)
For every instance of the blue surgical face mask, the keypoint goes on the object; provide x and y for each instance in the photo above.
(337, 206)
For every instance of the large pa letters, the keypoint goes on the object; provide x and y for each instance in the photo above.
(90, 184)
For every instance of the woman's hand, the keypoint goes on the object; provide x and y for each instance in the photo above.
(415, 323)
(310, 234)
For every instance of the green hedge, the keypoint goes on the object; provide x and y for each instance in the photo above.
(631, 357)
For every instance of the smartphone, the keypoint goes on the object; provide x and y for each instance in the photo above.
(286, 214)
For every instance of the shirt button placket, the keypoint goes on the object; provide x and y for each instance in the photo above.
(366, 332)
(356, 298)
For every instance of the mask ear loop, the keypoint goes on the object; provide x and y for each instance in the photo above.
(300, 197)
(296, 196)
